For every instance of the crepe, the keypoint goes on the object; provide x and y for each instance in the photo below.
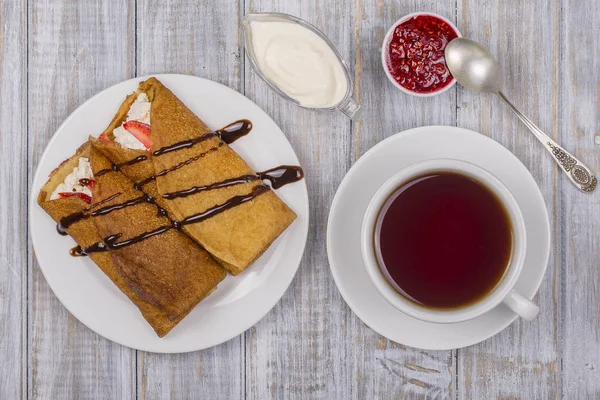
(165, 275)
(235, 236)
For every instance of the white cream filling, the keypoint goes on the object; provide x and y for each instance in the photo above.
(71, 183)
(139, 111)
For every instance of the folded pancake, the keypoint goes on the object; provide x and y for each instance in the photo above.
(165, 274)
(219, 200)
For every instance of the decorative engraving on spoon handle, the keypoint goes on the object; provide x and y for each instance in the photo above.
(578, 173)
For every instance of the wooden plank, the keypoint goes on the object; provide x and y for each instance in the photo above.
(523, 360)
(311, 345)
(75, 50)
(198, 38)
(13, 214)
(298, 350)
(580, 120)
(190, 37)
(387, 369)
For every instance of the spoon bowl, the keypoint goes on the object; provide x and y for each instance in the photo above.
(473, 66)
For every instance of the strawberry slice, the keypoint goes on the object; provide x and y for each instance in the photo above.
(89, 183)
(82, 196)
(141, 132)
(103, 138)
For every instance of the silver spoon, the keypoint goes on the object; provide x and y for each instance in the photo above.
(475, 68)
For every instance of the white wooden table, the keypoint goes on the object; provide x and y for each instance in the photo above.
(56, 54)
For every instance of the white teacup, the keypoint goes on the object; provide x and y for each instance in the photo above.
(503, 292)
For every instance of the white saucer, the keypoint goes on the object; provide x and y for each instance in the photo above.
(361, 183)
(239, 301)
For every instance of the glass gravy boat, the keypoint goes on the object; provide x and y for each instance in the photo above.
(347, 105)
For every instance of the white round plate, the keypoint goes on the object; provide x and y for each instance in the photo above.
(361, 183)
(239, 302)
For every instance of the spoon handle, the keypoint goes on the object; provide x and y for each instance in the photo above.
(578, 173)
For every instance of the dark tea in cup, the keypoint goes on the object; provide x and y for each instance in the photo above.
(443, 240)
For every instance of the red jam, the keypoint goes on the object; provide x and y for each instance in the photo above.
(89, 183)
(82, 196)
(416, 54)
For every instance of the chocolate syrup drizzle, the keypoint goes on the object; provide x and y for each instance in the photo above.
(141, 183)
(113, 168)
(282, 175)
(110, 242)
(278, 177)
(232, 202)
(216, 185)
(70, 219)
(228, 134)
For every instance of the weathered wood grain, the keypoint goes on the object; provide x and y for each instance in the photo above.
(13, 186)
(523, 361)
(387, 369)
(299, 350)
(580, 238)
(311, 345)
(75, 49)
(198, 38)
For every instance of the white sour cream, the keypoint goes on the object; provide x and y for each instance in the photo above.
(299, 63)
(139, 111)
(71, 183)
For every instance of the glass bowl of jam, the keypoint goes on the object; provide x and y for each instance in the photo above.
(412, 54)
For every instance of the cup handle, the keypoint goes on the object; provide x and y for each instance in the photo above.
(521, 305)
